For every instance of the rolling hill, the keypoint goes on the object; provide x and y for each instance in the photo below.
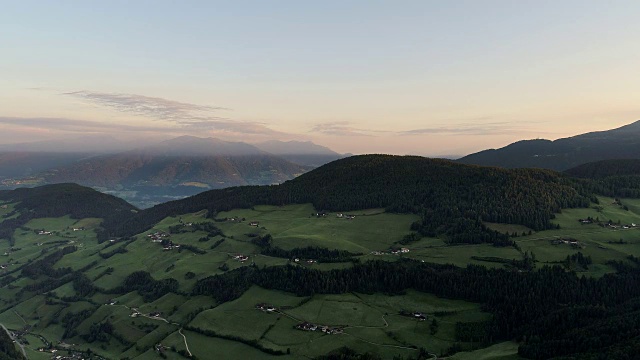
(444, 192)
(563, 154)
(395, 256)
(60, 200)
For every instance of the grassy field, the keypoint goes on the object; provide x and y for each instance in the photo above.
(297, 226)
(371, 323)
(5, 209)
(601, 243)
(502, 351)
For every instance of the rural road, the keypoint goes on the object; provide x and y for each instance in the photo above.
(24, 352)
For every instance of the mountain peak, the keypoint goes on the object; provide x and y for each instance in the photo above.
(193, 145)
(565, 153)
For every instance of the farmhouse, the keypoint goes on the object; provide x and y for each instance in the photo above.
(266, 307)
(254, 223)
(241, 258)
(419, 316)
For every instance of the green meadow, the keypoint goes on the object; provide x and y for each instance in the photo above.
(370, 322)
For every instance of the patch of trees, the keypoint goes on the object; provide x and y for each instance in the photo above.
(71, 321)
(472, 331)
(345, 353)
(119, 250)
(320, 254)
(193, 249)
(577, 260)
(99, 332)
(149, 288)
(83, 285)
(457, 228)
(411, 238)
(44, 266)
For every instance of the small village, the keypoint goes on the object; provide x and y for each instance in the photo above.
(391, 252)
(415, 315)
(574, 243)
(163, 238)
(305, 261)
(329, 330)
(266, 308)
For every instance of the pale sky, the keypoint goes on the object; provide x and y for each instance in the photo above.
(402, 77)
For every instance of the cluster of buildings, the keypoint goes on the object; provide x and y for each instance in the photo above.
(266, 307)
(43, 232)
(169, 245)
(624, 227)
(569, 241)
(240, 258)
(158, 236)
(160, 348)
(391, 252)
(162, 237)
(307, 261)
(345, 216)
(330, 330)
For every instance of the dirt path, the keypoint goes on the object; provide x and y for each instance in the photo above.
(185, 341)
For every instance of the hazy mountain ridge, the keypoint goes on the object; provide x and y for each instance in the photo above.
(20, 164)
(563, 154)
(301, 152)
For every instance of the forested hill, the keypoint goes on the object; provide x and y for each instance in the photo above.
(606, 168)
(60, 200)
(442, 191)
(563, 154)
(615, 178)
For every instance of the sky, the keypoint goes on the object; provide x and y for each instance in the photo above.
(399, 77)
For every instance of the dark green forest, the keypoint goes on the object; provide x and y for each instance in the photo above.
(453, 199)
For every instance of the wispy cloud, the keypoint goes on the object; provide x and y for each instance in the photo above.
(185, 116)
(153, 107)
(72, 125)
(492, 128)
(344, 128)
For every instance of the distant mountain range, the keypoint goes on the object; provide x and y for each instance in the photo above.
(167, 170)
(301, 152)
(566, 153)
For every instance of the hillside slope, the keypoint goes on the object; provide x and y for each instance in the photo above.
(442, 191)
(20, 164)
(562, 154)
(59, 200)
(606, 168)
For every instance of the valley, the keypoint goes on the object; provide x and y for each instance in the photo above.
(369, 323)
(332, 263)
